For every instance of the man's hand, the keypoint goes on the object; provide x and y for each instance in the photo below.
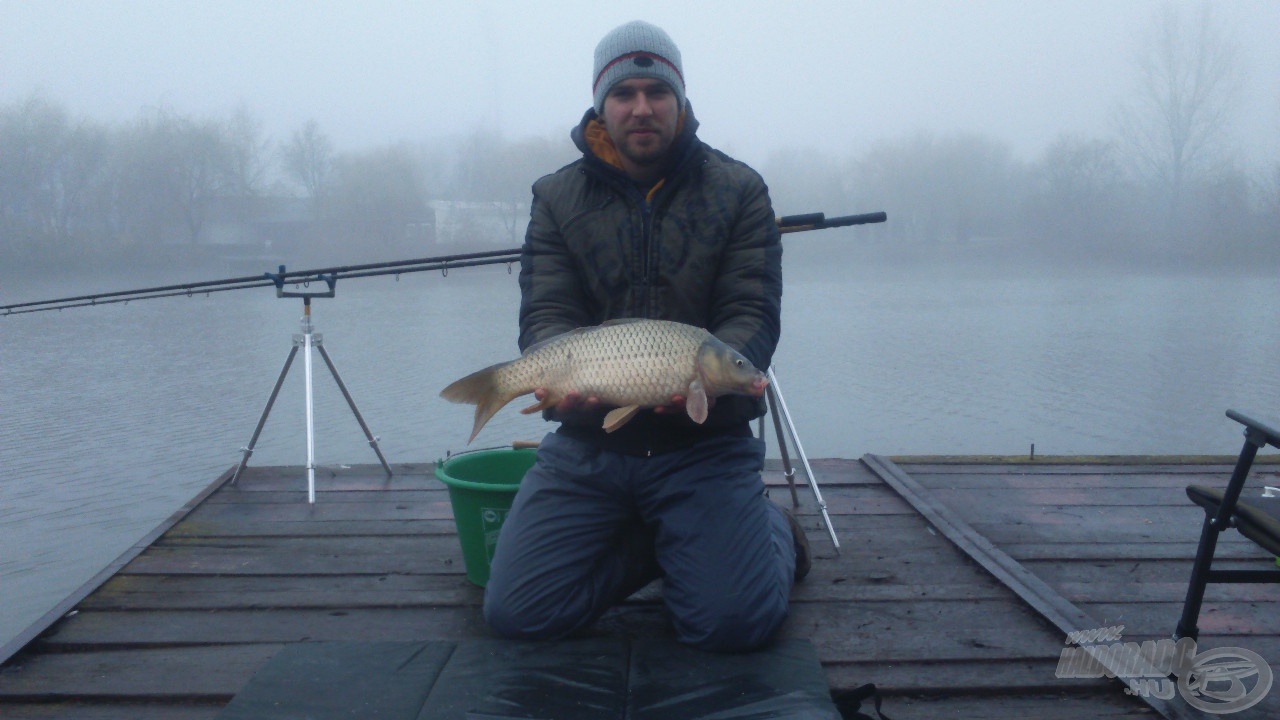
(575, 403)
(677, 406)
(571, 403)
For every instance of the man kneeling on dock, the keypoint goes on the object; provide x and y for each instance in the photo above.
(649, 223)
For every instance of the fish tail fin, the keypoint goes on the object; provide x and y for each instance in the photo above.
(480, 388)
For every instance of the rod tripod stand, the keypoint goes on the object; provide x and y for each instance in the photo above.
(778, 409)
(306, 340)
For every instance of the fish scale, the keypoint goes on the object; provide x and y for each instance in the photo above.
(629, 364)
(633, 363)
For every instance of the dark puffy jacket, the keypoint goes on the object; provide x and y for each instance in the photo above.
(702, 249)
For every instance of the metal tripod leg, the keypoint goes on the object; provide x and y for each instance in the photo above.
(775, 394)
(373, 441)
(788, 469)
(275, 391)
(307, 340)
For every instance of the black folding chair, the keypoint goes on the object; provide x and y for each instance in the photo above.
(1256, 518)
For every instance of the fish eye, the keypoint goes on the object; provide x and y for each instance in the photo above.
(738, 362)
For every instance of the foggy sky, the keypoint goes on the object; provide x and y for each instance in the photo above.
(761, 75)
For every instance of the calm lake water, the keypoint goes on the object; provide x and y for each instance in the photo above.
(112, 417)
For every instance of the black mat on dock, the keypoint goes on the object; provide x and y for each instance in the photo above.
(330, 680)
(499, 680)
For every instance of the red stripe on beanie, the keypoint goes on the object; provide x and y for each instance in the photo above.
(628, 56)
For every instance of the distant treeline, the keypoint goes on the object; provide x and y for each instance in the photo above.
(1163, 190)
(169, 188)
(1083, 201)
(172, 188)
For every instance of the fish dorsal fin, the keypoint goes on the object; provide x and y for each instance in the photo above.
(696, 402)
(619, 417)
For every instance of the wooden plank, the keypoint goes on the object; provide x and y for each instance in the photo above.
(414, 476)
(231, 526)
(830, 472)
(1218, 619)
(994, 677)
(338, 477)
(297, 556)
(432, 506)
(1167, 592)
(1169, 478)
(227, 522)
(861, 500)
(906, 577)
(980, 498)
(418, 553)
(109, 711)
(1156, 483)
(1100, 530)
(1110, 702)
(847, 631)
(1075, 465)
(20, 640)
(1047, 602)
(1133, 552)
(249, 592)
(1146, 581)
(212, 673)
(390, 496)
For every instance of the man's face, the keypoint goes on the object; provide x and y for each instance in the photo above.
(640, 115)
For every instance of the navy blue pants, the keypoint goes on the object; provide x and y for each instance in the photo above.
(589, 527)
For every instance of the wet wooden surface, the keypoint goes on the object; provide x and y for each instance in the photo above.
(1118, 543)
(180, 628)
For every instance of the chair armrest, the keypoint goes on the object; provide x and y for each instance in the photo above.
(1265, 435)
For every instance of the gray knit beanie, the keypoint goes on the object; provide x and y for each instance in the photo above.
(636, 50)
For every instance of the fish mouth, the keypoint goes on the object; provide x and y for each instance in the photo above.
(758, 385)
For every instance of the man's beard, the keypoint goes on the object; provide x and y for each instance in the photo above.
(649, 155)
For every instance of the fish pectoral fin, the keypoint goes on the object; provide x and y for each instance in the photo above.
(539, 406)
(696, 402)
(619, 417)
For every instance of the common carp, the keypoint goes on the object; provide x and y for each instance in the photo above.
(630, 364)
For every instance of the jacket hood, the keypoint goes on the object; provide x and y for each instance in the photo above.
(590, 137)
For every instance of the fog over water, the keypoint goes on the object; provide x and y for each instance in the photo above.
(764, 76)
(1048, 275)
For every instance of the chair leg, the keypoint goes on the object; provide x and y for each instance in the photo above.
(1213, 525)
(1199, 578)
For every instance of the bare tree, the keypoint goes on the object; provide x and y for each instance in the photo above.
(497, 173)
(1074, 193)
(308, 158)
(247, 153)
(32, 134)
(1176, 122)
(169, 167)
(52, 177)
(374, 201)
(955, 188)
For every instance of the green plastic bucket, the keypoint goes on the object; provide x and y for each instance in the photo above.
(482, 485)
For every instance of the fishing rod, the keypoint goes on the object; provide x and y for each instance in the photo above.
(442, 263)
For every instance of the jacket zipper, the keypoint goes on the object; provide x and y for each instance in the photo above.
(646, 248)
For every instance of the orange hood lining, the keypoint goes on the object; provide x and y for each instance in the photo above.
(601, 145)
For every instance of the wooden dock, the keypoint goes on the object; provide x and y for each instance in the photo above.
(177, 626)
